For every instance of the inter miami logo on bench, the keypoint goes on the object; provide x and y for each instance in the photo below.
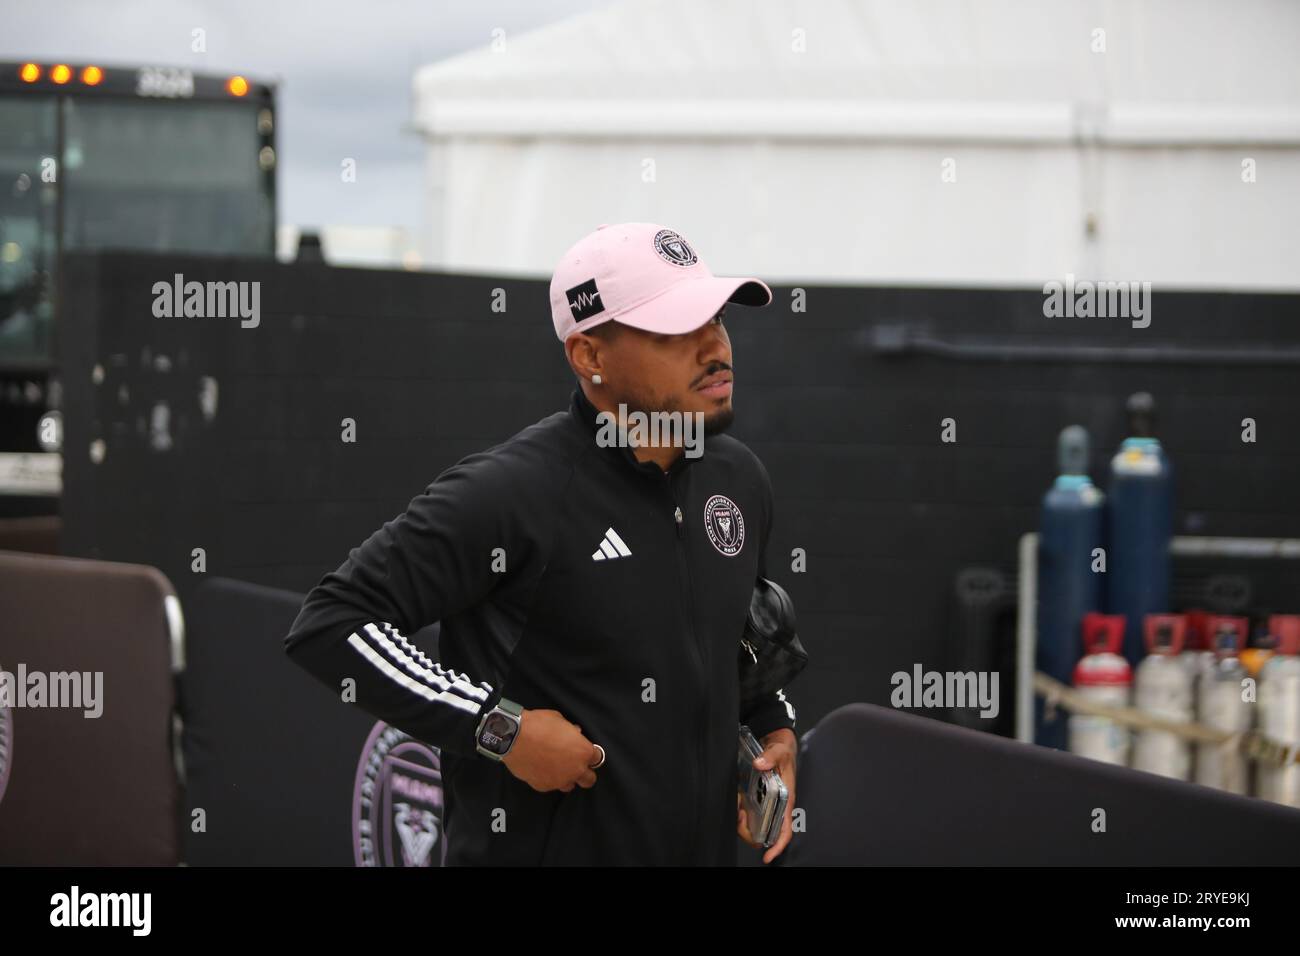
(585, 301)
(397, 802)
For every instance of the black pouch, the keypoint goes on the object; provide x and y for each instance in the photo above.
(770, 654)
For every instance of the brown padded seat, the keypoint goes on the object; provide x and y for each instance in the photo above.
(38, 534)
(79, 790)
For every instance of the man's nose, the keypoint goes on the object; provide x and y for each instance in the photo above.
(713, 345)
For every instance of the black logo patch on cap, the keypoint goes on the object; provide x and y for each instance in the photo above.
(673, 248)
(585, 300)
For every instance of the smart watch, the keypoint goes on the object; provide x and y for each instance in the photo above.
(498, 729)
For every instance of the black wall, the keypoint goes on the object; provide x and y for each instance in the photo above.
(887, 513)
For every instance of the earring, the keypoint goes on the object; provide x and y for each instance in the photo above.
(596, 379)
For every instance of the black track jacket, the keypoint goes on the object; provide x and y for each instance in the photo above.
(565, 576)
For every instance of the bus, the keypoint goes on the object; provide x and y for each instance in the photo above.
(99, 157)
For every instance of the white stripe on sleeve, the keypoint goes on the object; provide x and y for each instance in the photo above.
(393, 674)
(439, 679)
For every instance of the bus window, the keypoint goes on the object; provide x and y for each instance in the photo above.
(28, 204)
(166, 176)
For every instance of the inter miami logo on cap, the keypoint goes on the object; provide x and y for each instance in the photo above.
(674, 248)
(585, 300)
(725, 525)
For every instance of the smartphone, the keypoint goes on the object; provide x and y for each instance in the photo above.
(763, 793)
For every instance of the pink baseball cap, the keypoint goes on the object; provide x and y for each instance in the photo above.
(644, 276)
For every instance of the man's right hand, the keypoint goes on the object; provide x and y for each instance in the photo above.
(552, 754)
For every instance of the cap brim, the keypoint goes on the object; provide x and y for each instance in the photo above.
(692, 302)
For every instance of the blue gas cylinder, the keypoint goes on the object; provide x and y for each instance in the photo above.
(1139, 526)
(1070, 534)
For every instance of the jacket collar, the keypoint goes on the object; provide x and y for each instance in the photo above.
(582, 411)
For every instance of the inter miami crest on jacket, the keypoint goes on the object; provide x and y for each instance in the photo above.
(725, 525)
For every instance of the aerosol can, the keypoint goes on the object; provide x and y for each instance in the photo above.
(1279, 709)
(1070, 529)
(1104, 677)
(1221, 704)
(1162, 688)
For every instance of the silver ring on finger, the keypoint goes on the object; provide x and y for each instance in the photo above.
(601, 762)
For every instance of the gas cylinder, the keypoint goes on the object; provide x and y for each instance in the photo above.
(1221, 704)
(1070, 531)
(1197, 654)
(1279, 709)
(1104, 677)
(1162, 687)
(1139, 525)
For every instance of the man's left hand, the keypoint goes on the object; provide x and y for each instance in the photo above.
(779, 748)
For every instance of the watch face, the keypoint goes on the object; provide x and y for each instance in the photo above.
(498, 731)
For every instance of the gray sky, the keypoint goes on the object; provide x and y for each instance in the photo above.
(344, 70)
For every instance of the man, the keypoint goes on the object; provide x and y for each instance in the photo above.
(586, 702)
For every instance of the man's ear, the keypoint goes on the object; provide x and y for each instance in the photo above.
(580, 349)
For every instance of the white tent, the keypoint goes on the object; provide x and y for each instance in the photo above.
(1004, 142)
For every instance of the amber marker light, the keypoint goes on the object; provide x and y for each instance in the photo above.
(61, 73)
(92, 75)
(29, 72)
(237, 86)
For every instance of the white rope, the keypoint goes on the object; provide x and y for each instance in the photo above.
(1251, 743)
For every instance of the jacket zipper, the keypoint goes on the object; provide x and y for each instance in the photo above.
(684, 568)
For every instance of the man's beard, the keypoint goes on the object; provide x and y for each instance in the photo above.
(718, 422)
(715, 423)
